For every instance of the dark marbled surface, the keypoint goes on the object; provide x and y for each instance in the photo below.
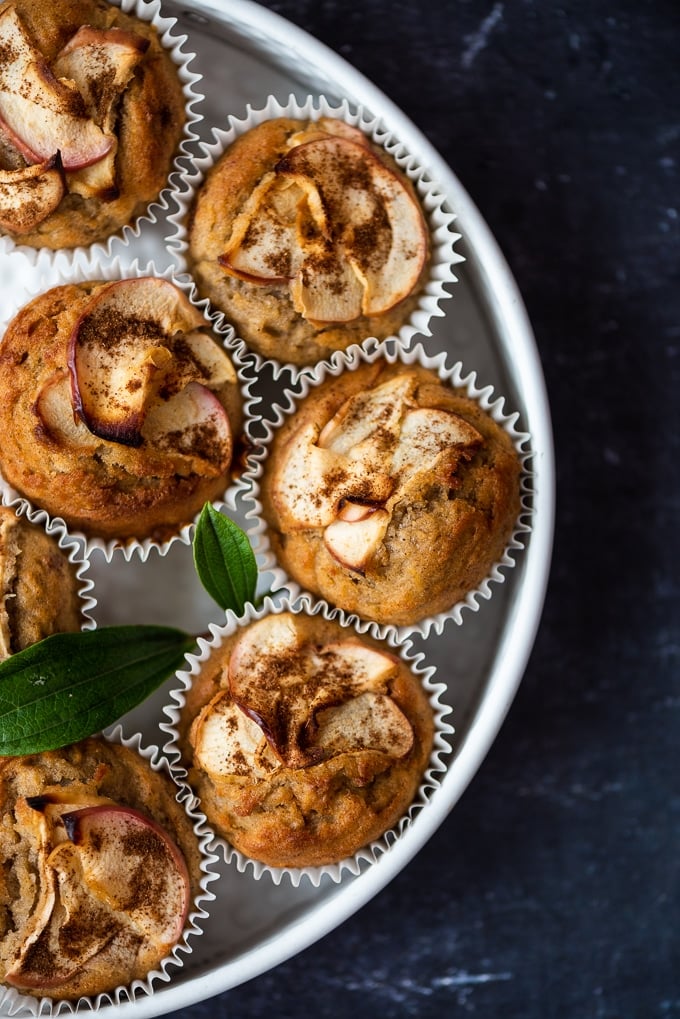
(552, 890)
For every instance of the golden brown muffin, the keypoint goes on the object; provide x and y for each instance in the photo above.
(120, 411)
(304, 740)
(38, 586)
(309, 238)
(91, 117)
(100, 869)
(390, 493)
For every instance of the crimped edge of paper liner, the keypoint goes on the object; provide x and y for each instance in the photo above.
(74, 552)
(145, 10)
(114, 270)
(24, 1004)
(433, 200)
(454, 374)
(430, 782)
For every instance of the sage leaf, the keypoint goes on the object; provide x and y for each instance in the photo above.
(71, 685)
(224, 560)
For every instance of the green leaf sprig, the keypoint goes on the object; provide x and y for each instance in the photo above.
(71, 685)
(224, 560)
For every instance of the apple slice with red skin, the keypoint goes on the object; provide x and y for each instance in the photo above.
(130, 863)
(120, 352)
(54, 409)
(228, 744)
(29, 194)
(101, 62)
(192, 428)
(104, 869)
(40, 113)
(353, 539)
(280, 682)
(360, 243)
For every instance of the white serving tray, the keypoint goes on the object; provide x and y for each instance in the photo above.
(245, 52)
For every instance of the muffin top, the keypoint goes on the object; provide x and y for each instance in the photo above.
(91, 117)
(38, 586)
(305, 740)
(389, 492)
(102, 865)
(120, 410)
(309, 238)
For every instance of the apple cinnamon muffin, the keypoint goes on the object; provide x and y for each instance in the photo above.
(92, 113)
(39, 592)
(389, 492)
(303, 739)
(308, 237)
(120, 411)
(101, 866)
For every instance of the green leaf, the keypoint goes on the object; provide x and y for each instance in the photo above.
(224, 560)
(71, 685)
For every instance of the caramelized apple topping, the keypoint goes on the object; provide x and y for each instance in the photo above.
(334, 223)
(293, 704)
(348, 476)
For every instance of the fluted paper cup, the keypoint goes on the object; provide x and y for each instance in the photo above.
(293, 575)
(412, 315)
(129, 546)
(180, 717)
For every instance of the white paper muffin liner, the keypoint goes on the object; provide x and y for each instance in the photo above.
(430, 782)
(150, 11)
(439, 219)
(115, 270)
(484, 395)
(15, 1003)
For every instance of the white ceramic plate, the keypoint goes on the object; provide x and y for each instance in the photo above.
(245, 53)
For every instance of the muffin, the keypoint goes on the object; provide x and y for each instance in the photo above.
(389, 492)
(304, 739)
(92, 112)
(309, 237)
(120, 411)
(39, 589)
(101, 866)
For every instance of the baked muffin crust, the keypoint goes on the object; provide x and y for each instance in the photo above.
(441, 519)
(38, 586)
(265, 313)
(104, 944)
(103, 487)
(305, 788)
(148, 121)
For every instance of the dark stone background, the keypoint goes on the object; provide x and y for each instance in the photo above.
(552, 890)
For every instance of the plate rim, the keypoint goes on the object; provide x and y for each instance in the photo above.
(512, 324)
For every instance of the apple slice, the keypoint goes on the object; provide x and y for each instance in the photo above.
(101, 62)
(40, 113)
(228, 744)
(371, 721)
(280, 682)
(426, 434)
(131, 864)
(54, 409)
(375, 413)
(353, 542)
(120, 353)
(378, 225)
(310, 482)
(28, 195)
(263, 247)
(192, 428)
